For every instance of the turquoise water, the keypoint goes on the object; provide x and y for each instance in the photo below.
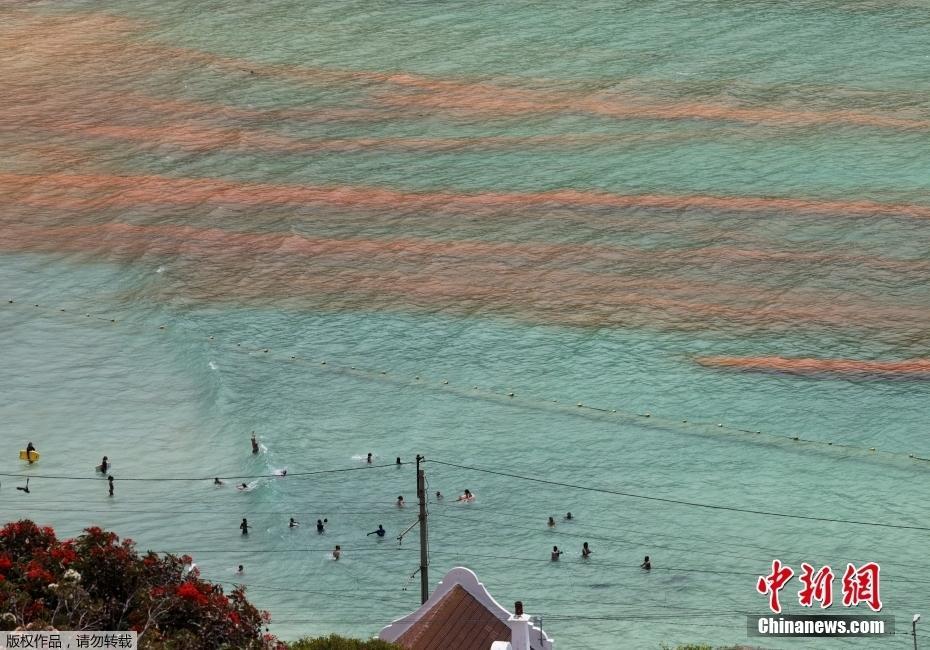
(641, 207)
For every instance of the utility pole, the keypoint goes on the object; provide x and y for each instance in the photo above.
(424, 537)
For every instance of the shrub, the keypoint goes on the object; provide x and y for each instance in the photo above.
(99, 582)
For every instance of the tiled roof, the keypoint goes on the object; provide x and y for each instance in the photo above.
(457, 622)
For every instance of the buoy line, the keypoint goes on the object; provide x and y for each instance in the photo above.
(677, 425)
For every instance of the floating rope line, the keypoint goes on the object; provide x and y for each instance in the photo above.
(680, 425)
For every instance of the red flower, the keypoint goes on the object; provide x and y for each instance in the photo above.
(234, 617)
(5, 562)
(189, 591)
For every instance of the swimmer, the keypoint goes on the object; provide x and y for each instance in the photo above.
(397, 462)
(647, 565)
(368, 460)
(110, 481)
(31, 448)
(240, 570)
(467, 497)
(217, 481)
(400, 502)
(380, 532)
(244, 526)
(104, 465)
(551, 522)
(293, 524)
(243, 486)
(319, 526)
(337, 552)
(585, 551)
(280, 472)
(254, 444)
(24, 489)
(555, 554)
(568, 516)
(439, 496)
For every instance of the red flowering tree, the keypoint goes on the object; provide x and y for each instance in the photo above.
(99, 582)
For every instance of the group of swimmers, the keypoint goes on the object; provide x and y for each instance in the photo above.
(103, 468)
(568, 517)
(586, 552)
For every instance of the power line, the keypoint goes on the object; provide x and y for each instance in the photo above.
(204, 478)
(692, 504)
(244, 551)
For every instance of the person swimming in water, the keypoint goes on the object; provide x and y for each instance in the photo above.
(244, 526)
(467, 497)
(568, 516)
(556, 553)
(217, 481)
(439, 496)
(400, 502)
(585, 551)
(397, 462)
(551, 522)
(337, 552)
(293, 524)
(243, 486)
(368, 460)
(647, 565)
(30, 448)
(240, 570)
(319, 526)
(104, 465)
(380, 532)
(255, 448)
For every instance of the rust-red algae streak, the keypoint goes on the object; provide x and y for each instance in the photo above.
(812, 366)
(73, 191)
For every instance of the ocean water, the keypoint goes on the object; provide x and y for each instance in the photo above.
(712, 213)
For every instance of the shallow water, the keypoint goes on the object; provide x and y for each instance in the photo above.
(648, 208)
